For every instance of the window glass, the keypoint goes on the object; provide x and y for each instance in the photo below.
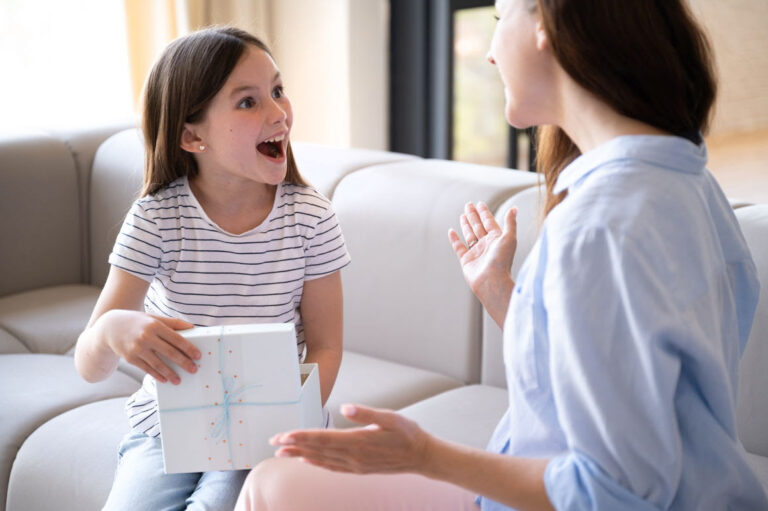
(65, 63)
(480, 132)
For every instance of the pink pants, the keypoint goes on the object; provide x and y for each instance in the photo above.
(285, 484)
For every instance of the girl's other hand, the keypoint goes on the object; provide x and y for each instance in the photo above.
(147, 341)
(486, 258)
(389, 443)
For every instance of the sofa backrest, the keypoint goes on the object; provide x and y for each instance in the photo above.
(40, 229)
(752, 410)
(115, 183)
(405, 299)
(324, 166)
(529, 204)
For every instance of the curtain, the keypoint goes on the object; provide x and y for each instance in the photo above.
(152, 24)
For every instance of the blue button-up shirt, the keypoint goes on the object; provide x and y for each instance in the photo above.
(624, 333)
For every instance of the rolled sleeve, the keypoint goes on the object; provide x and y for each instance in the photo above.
(574, 481)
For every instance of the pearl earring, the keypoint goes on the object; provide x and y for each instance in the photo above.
(202, 147)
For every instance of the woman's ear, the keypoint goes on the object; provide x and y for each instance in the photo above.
(190, 140)
(542, 41)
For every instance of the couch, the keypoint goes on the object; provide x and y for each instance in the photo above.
(415, 339)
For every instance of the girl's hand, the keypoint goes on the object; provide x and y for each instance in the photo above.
(487, 257)
(389, 443)
(147, 341)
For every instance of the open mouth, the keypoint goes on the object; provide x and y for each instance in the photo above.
(272, 148)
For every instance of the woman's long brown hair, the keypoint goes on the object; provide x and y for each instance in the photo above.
(182, 83)
(647, 59)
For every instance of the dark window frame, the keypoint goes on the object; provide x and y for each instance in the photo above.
(421, 79)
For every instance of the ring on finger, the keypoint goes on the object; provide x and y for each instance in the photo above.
(471, 243)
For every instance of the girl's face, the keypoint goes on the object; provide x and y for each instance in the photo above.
(519, 50)
(246, 126)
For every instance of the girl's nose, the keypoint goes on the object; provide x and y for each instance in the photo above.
(278, 113)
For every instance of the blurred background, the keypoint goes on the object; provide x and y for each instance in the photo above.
(403, 75)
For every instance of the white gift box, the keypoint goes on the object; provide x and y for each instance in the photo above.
(248, 386)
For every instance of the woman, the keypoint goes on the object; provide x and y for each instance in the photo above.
(623, 333)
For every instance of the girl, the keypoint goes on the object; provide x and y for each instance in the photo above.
(226, 231)
(623, 332)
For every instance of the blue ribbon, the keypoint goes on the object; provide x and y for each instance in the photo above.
(222, 424)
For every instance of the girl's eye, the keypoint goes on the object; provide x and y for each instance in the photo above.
(278, 92)
(246, 103)
(496, 18)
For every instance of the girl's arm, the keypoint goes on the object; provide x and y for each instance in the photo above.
(322, 317)
(392, 443)
(118, 328)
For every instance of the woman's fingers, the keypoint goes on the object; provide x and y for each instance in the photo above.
(364, 415)
(487, 218)
(473, 218)
(510, 220)
(458, 247)
(466, 230)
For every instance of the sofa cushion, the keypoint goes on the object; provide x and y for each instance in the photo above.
(10, 344)
(48, 320)
(39, 214)
(467, 415)
(325, 166)
(405, 299)
(375, 382)
(74, 455)
(752, 411)
(38, 387)
(529, 205)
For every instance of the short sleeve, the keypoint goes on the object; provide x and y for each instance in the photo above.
(326, 251)
(138, 248)
(614, 370)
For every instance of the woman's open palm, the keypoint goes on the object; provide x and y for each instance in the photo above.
(487, 256)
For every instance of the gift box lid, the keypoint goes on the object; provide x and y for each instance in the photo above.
(254, 363)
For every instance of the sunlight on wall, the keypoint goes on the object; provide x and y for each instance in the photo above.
(65, 64)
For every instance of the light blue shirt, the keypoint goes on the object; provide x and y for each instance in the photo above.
(624, 333)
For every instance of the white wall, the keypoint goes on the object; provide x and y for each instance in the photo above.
(334, 59)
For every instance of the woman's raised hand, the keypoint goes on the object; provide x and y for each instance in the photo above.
(487, 256)
(389, 443)
(147, 341)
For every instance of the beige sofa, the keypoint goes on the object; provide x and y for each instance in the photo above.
(415, 337)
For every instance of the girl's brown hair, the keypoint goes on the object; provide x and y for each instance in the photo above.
(182, 83)
(647, 59)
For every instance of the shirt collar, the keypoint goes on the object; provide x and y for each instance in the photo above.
(670, 152)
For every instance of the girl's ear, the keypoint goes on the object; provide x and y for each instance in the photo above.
(542, 41)
(190, 140)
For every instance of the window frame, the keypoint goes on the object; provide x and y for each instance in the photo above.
(421, 80)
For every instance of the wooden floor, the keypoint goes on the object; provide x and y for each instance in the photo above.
(740, 164)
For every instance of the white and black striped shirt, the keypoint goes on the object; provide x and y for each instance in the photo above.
(202, 274)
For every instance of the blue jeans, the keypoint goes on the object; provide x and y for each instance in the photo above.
(140, 483)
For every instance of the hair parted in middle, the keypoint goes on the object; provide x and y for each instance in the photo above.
(180, 86)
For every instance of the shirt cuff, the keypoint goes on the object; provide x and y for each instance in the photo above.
(574, 482)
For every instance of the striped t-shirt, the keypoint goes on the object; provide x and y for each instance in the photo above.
(202, 274)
